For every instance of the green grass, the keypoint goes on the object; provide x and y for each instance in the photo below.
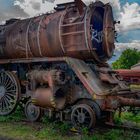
(13, 127)
(17, 116)
(128, 118)
(22, 131)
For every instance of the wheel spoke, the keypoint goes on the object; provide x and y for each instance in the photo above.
(10, 95)
(9, 91)
(4, 104)
(11, 86)
(82, 116)
(32, 112)
(13, 91)
(7, 81)
(8, 84)
(81, 110)
(7, 101)
(78, 112)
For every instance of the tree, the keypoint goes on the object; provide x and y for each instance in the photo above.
(128, 58)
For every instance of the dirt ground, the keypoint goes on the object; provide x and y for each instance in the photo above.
(4, 138)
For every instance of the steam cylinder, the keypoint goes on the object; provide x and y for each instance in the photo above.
(66, 32)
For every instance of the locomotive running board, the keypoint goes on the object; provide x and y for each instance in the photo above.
(89, 79)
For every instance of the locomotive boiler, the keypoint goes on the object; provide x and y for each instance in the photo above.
(56, 62)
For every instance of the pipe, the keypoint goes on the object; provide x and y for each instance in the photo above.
(129, 102)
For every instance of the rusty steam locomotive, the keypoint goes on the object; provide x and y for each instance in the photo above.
(57, 62)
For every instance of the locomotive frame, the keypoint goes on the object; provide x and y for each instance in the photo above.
(74, 82)
(95, 105)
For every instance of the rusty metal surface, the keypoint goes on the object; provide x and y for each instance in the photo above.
(32, 60)
(52, 77)
(108, 31)
(86, 75)
(129, 73)
(75, 93)
(80, 5)
(33, 113)
(47, 88)
(131, 76)
(45, 97)
(83, 116)
(62, 33)
(92, 81)
(111, 103)
(129, 102)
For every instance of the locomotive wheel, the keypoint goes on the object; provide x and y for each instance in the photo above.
(83, 116)
(93, 105)
(32, 112)
(9, 92)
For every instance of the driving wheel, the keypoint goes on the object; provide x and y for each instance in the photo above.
(9, 92)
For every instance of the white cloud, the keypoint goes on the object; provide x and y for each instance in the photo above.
(34, 7)
(47, 5)
(129, 14)
(130, 17)
(120, 47)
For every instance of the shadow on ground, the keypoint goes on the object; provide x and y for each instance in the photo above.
(5, 138)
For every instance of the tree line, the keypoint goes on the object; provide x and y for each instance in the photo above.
(128, 58)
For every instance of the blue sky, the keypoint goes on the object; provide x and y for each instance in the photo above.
(129, 36)
(6, 3)
(130, 1)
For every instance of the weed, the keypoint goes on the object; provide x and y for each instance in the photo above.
(17, 116)
(112, 135)
(11, 126)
